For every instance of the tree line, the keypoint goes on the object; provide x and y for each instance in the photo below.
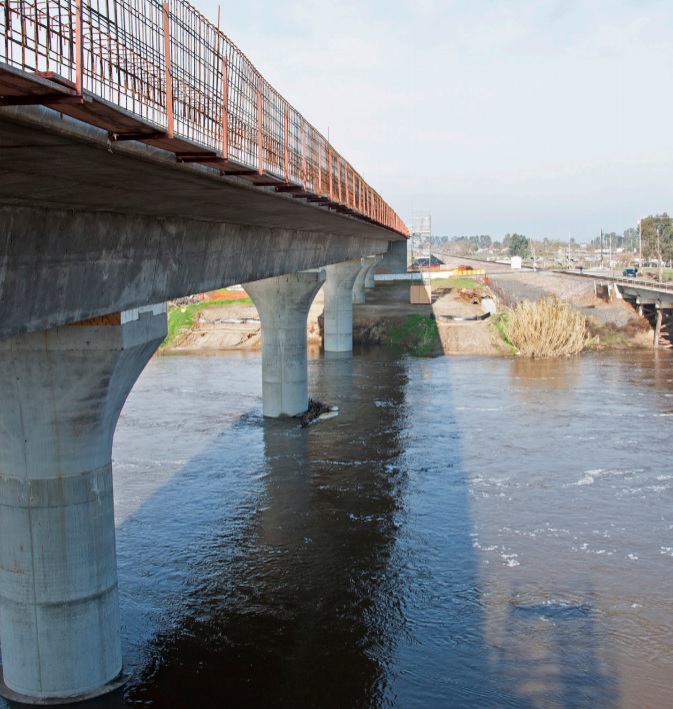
(654, 232)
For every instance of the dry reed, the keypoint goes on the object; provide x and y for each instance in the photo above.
(547, 328)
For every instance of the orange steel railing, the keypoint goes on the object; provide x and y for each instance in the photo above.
(166, 65)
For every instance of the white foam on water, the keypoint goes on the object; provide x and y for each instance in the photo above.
(510, 559)
(586, 480)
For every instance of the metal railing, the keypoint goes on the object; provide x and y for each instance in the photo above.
(170, 67)
(642, 283)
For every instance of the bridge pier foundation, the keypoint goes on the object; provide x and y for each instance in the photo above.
(62, 392)
(338, 317)
(283, 303)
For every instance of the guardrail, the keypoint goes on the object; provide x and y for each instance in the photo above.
(163, 74)
(643, 283)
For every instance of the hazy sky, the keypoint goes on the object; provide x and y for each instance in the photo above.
(545, 117)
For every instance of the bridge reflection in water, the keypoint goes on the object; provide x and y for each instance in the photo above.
(400, 554)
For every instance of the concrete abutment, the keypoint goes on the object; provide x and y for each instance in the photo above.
(63, 390)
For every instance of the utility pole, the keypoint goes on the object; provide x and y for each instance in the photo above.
(640, 243)
(658, 255)
(601, 248)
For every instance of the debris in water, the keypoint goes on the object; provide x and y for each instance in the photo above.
(317, 410)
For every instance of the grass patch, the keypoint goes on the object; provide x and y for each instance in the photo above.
(416, 334)
(547, 328)
(666, 273)
(451, 283)
(500, 321)
(611, 336)
(181, 317)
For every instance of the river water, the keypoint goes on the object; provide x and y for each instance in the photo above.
(468, 532)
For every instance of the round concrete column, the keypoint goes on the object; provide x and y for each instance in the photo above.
(283, 303)
(338, 317)
(373, 261)
(362, 280)
(61, 392)
(359, 295)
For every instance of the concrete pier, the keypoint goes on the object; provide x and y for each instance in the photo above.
(338, 317)
(365, 278)
(62, 392)
(374, 261)
(359, 295)
(283, 303)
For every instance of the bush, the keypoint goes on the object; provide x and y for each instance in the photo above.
(547, 328)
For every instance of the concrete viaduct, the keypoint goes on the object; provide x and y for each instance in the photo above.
(106, 213)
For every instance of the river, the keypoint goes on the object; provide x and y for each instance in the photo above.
(468, 532)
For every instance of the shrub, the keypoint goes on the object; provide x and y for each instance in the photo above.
(547, 328)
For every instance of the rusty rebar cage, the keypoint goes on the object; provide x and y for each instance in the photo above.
(166, 66)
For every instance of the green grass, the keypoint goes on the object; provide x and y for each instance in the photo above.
(455, 283)
(181, 317)
(666, 273)
(416, 334)
(500, 322)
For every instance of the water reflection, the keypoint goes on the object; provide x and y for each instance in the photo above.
(306, 609)
(454, 538)
(550, 647)
(550, 373)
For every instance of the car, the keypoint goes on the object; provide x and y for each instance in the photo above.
(630, 272)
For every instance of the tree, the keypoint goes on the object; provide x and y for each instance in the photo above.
(519, 245)
(661, 246)
(631, 239)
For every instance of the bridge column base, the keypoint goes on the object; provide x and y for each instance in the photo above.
(61, 392)
(283, 303)
(338, 318)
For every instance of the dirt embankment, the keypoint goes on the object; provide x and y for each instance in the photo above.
(234, 325)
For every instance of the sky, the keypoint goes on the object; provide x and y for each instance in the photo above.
(550, 118)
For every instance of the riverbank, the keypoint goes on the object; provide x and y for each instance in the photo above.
(450, 325)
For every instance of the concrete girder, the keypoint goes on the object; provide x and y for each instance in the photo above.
(283, 303)
(63, 266)
(62, 392)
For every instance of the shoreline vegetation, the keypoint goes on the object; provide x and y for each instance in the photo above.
(546, 326)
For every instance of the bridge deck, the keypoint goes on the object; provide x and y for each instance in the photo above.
(161, 74)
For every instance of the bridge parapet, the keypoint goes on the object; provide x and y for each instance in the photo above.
(161, 73)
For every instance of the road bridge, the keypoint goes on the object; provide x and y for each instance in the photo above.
(652, 300)
(142, 158)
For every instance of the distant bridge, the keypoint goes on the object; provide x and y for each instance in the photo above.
(142, 158)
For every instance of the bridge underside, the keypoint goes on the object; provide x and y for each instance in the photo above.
(60, 266)
(88, 227)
